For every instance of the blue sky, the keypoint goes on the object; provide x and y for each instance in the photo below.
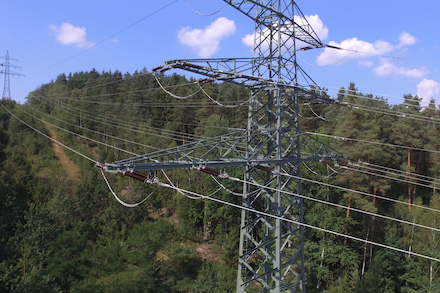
(50, 37)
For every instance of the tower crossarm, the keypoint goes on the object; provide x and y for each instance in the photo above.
(237, 71)
(221, 151)
(264, 14)
(234, 70)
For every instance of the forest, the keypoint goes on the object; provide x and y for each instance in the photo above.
(62, 230)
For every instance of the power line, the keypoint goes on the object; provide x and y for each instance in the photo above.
(389, 177)
(131, 125)
(108, 38)
(335, 204)
(372, 142)
(135, 118)
(343, 167)
(47, 136)
(252, 210)
(128, 205)
(173, 95)
(242, 181)
(374, 96)
(79, 99)
(414, 183)
(363, 193)
(402, 173)
(79, 135)
(152, 131)
(180, 190)
(205, 14)
(94, 131)
(369, 173)
(171, 134)
(381, 54)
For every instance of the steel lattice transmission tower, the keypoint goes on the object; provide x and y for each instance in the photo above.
(7, 72)
(271, 252)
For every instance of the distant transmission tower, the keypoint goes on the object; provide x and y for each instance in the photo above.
(272, 149)
(7, 72)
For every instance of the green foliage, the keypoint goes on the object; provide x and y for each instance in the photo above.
(62, 235)
(64, 263)
(391, 272)
(216, 277)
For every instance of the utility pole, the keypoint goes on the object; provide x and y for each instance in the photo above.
(7, 72)
(271, 251)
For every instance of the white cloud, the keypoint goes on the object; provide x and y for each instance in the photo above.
(69, 34)
(388, 68)
(362, 52)
(405, 39)
(318, 26)
(248, 40)
(315, 22)
(366, 63)
(354, 49)
(428, 89)
(206, 42)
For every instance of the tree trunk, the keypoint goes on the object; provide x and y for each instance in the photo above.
(348, 216)
(408, 178)
(206, 224)
(365, 254)
(372, 224)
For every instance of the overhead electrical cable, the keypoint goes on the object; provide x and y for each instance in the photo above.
(149, 131)
(384, 176)
(143, 104)
(221, 104)
(233, 129)
(261, 186)
(159, 130)
(204, 14)
(389, 177)
(94, 131)
(415, 183)
(164, 135)
(224, 187)
(128, 205)
(329, 65)
(374, 96)
(371, 142)
(324, 176)
(375, 167)
(434, 184)
(262, 213)
(78, 98)
(76, 152)
(398, 114)
(361, 193)
(380, 54)
(47, 136)
(339, 205)
(92, 116)
(173, 95)
(79, 135)
(108, 38)
(318, 116)
(180, 190)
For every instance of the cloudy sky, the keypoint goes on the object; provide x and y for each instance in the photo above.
(391, 47)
